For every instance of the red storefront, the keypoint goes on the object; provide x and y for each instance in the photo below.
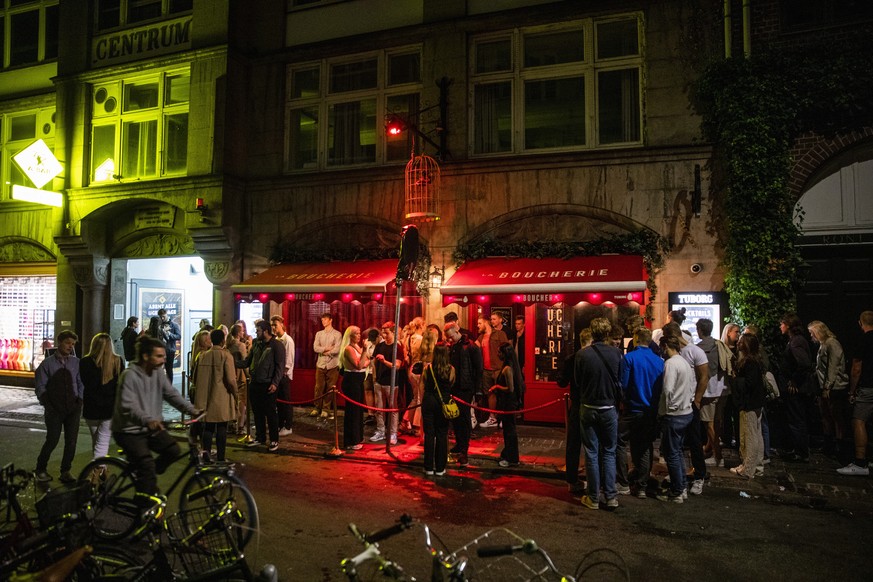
(558, 298)
(361, 293)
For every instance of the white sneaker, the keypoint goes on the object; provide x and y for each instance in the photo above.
(684, 494)
(490, 423)
(377, 436)
(393, 439)
(697, 487)
(285, 431)
(853, 469)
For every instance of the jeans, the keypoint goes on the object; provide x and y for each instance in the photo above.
(55, 422)
(383, 400)
(436, 433)
(101, 434)
(765, 432)
(673, 430)
(599, 433)
(218, 430)
(263, 405)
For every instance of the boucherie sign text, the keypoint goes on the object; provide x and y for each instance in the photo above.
(137, 43)
(575, 274)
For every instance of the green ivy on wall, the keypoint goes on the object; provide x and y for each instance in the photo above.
(753, 109)
(652, 247)
(285, 253)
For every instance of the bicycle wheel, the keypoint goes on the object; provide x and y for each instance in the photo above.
(112, 562)
(210, 497)
(111, 485)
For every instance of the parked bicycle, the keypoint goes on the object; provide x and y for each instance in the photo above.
(496, 555)
(118, 511)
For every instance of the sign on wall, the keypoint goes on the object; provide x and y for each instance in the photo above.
(132, 44)
(700, 305)
(152, 300)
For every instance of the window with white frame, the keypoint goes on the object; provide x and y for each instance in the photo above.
(17, 131)
(571, 86)
(28, 32)
(336, 109)
(139, 127)
(118, 13)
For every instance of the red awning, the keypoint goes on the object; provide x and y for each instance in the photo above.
(347, 281)
(600, 279)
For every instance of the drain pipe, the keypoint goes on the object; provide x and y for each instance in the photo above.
(747, 28)
(727, 29)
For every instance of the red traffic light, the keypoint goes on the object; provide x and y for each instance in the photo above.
(394, 125)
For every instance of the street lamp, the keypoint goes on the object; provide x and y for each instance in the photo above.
(436, 277)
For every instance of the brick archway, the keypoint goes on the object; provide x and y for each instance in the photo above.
(812, 151)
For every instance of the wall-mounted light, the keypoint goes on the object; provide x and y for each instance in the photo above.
(436, 277)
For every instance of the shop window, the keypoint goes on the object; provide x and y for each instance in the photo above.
(303, 319)
(140, 127)
(115, 13)
(17, 131)
(540, 100)
(27, 307)
(28, 32)
(336, 109)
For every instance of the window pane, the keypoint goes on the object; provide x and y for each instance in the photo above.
(108, 14)
(554, 113)
(304, 138)
(22, 127)
(352, 132)
(493, 56)
(139, 10)
(353, 76)
(617, 39)
(176, 144)
(141, 95)
(399, 147)
(2, 47)
(103, 153)
(304, 83)
(24, 38)
(493, 118)
(552, 49)
(51, 32)
(618, 106)
(404, 69)
(180, 6)
(139, 149)
(177, 88)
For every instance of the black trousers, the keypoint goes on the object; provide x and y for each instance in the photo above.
(799, 408)
(55, 422)
(353, 416)
(219, 431)
(510, 438)
(138, 450)
(285, 411)
(573, 451)
(169, 364)
(463, 425)
(436, 433)
(264, 411)
(694, 440)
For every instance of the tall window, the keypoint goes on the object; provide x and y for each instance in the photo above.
(139, 127)
(17, 131)
(28, 32)
(336, 109)
(566, 87)
(116, 13)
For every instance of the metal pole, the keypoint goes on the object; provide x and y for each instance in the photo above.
(391, 392)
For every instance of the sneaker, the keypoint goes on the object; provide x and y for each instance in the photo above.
(440, 473)
(612, 504)
(589, 503)
(255, 444)
(684, 494)
(377, 436)
(759, 471)
(323, 414)
(67, 477)
(641, 494)
(313, 412)
(504, 463)
(330, 416)
(205, 458)
(697, 487)
(356, 447)
(850, 469)
(274, 446)
(664, 496)
(393, 440)
(622, 489)
(285, 431)
(490, 423)
(44, 477)
(428, 472)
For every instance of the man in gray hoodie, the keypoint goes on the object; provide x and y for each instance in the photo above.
(138, 424)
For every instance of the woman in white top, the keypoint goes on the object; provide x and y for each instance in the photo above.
(676, 413)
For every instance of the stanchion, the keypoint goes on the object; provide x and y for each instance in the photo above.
(336, 452)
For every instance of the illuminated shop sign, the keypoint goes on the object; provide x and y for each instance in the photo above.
(38, 163)
(129, 45)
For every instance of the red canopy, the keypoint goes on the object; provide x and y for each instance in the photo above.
(343, 280)
(599, 279)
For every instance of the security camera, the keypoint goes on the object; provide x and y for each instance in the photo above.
(696, 268)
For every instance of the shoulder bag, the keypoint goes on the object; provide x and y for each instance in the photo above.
(450, 407)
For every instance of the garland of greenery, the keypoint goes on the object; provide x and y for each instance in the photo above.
(287, 253)
(752, 110)
(652, 247)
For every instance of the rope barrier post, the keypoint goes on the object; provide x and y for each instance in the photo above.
(336, 452)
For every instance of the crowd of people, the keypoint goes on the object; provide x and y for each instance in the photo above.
(696, 397)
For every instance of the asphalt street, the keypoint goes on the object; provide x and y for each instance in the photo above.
(798, 522)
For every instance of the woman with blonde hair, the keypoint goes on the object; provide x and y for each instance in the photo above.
(354, 361)
(438, 377)
(100, 370)
(421, 356)
(830, 370)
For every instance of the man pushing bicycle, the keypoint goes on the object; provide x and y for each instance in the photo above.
(138, 424)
